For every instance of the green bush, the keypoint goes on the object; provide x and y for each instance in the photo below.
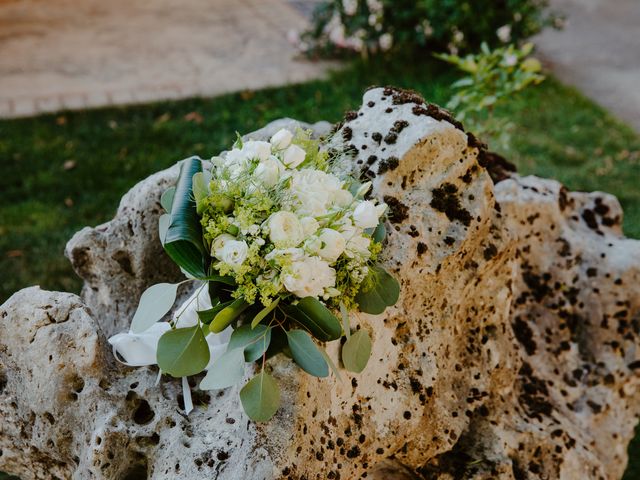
(342, 27)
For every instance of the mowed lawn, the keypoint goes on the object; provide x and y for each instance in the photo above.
(62, 172)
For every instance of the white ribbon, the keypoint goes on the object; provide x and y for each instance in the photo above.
(139, 349)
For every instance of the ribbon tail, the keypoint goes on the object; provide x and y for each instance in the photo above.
(186, 393)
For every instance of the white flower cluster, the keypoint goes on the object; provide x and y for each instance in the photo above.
(285, 222)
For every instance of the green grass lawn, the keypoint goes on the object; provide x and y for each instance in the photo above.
(62, 172)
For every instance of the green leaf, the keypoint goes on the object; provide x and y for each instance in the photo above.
(253, 341)
(200, 185)
(227, 280)
(227, 315)
(380, 290)
(313, 315)
(356, 351)
(264, 312)
(346, 324)
(183, 242)
(260, 397)
(163, 226)
(379, 233)
(166, 200)
(207, 316)
(331, 364)
(306, 354)
(278, 342)
(226, 371)
(183, 351)
(154, 304)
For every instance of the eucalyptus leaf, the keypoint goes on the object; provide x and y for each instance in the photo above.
(264, 312)
(331, 364)
(227, 315)
(183, 241)
(154, 304)
(380, 291)
(260, 397)
(183, 351)
(163, 226)
(356, 351)
(226, 371)
(253, 341)
(306, 354)
(317, 318)
(166, 200)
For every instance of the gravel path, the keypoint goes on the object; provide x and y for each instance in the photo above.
(599, 52)
(59, 54)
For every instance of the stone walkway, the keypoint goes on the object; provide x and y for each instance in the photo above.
(599, 52)
(70, 54)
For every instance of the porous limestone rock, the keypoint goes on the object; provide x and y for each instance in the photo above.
(511, 353)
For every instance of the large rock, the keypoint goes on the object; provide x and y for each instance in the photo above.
(510, 354)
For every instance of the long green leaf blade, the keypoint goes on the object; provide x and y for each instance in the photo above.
(183, 241)
(227, 315)
(264, 312)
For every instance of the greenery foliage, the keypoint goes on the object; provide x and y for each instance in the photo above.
(367, 27)
(492, 77)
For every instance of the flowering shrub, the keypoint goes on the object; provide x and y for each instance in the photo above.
(491, 77)
(276, 238)
(370, 26)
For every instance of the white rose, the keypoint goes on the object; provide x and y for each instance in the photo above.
(268, 171)
(293, 156)
(358, 247)
(333, 244)
(386, 41)
(234, 252)
(281, 139)
(218, 243)
(315, 191)
(341, 197)
(309, 277)
(285, 229)
(350, 6)
(367, 214)
(504, 33)
(234, 163)
(257, 150)
(309, 225)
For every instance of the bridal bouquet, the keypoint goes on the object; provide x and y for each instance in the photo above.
(281, 247)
